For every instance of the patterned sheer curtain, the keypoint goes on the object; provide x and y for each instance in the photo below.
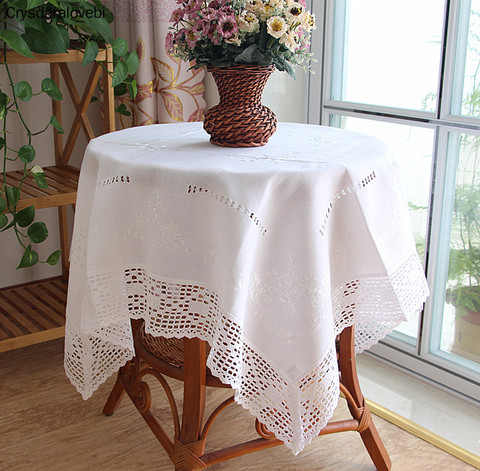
(167, 90)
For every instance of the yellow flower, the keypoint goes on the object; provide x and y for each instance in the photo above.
(276, 26)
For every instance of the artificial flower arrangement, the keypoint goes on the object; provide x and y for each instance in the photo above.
(222, 33)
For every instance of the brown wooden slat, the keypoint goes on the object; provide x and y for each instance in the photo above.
(25, 319)
(28, 309)
(71, 56)
(42, 311)
(54, 309)
(7, 309)
(62, 183)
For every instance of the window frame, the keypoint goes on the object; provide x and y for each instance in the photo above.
(416, 358)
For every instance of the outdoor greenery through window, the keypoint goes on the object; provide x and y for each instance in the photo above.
(408, 71)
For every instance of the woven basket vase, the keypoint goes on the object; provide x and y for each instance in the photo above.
(240, 119)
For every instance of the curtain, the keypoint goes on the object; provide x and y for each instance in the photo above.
(167, 90)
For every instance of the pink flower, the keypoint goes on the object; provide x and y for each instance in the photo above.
(227, 26)
(191, 38)
(177, 16)
(169, 42)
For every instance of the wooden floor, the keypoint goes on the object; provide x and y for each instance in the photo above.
(46, 426)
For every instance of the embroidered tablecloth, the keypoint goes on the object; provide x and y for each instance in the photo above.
(266, 253)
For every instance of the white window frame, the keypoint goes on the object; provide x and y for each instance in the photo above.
(418, 359)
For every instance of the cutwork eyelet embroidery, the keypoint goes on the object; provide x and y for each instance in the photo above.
(116, 179)
(229, 202)
(345, 192)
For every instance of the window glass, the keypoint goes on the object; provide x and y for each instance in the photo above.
(471, 72)
(460, 329)
(391, 52)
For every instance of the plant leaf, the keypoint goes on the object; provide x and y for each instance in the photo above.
(56, 124)
(37, 232)
(34, 3)
(91, 52)
(95, 21)
(13, 195)
(25, 217)
(51, 89)
(2, 144)
(122, 109)
(16, 42)
(120, 47)
(29, 258)
(3, 220)
(132, 89)
(119, 73)
(39, 176)
(48, 41)
(4, 100)
(54, 257)
(132, 63)
(23, 90)
(3, 205)
(246, 56)
(26, 153)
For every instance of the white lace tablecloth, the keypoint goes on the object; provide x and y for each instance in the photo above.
(267, 253)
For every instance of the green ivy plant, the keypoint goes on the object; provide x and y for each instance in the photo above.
(48, 27)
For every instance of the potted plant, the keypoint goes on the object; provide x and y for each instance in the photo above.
(47, 27)
(463, 290)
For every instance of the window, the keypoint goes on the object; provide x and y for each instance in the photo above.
(408, 72)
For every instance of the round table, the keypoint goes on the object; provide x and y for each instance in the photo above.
(266, 253)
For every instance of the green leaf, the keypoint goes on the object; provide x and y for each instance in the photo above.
(94, 99)
(3, 220)
(26, 153)
(122, 109)
(48, 41)
(91, 52)
(34, 3)
(98, 23)
(39, 176)
(56, 124)
(120, 47)
(119, 73)
(13, 195)
(29, 258)
(23, 90)
(25, 217)
(54, 257)
(37, 232)
(16, 42)
(3, 205)
(246, 56)
(132, 89)
(2, 144)
(120, 89)
(51, 89)
(132, 63)
(4, 100)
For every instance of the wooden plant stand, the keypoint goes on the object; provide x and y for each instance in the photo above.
(35, 312)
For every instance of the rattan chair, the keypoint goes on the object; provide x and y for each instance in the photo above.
(185, 360)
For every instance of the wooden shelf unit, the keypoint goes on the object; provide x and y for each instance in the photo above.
(35, 312)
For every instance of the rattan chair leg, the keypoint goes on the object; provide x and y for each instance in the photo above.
(349, 378)
(115, 397)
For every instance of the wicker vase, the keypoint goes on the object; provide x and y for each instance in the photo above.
(240, 119)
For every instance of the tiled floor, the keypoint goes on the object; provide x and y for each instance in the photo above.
(439, 412)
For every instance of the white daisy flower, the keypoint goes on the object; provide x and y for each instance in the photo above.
(276, 26)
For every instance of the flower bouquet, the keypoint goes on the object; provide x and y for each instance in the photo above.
(222, 33)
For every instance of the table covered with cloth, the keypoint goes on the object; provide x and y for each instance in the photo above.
(266, 253)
